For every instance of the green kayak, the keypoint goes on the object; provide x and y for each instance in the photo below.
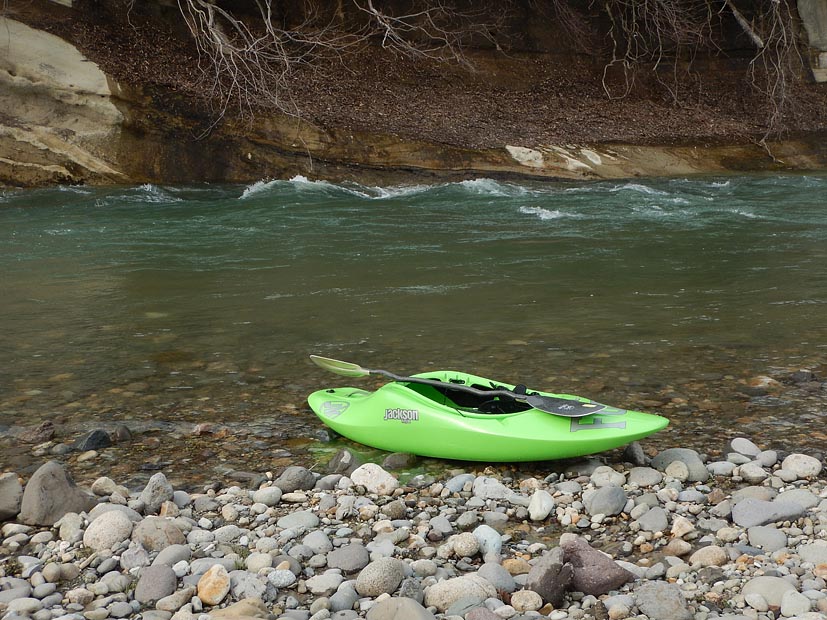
(453, 422)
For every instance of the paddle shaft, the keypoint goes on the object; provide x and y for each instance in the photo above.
(550, 404)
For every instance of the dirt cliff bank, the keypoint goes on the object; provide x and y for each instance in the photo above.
(121, 98)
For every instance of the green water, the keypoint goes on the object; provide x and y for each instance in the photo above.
(179, 305)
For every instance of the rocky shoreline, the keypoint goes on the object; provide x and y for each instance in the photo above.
(669, 537)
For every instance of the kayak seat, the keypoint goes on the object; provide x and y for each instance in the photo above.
(479, 403)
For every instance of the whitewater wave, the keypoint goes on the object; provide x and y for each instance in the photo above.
(639, 188)
(741, 212)
(476, 187)
(153, 193)
(545, 214)
(490, 187)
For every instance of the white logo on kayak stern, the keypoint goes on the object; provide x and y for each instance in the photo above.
(596, 421)
(406, 416)
(334, 408)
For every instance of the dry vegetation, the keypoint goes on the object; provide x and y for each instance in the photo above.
(469, 73)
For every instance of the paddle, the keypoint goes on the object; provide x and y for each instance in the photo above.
(550, 404)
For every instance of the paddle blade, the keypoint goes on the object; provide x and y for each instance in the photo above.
(346, 369)
(563, 406)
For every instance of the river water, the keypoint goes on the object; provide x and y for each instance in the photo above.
(182, 309)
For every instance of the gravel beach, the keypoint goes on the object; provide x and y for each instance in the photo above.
(672, 535)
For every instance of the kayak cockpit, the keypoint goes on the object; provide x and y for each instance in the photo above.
(468, 402)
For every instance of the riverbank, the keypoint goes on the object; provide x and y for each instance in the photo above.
(681, 535)
(85, 102)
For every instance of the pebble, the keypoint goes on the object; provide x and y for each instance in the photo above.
(623, 541)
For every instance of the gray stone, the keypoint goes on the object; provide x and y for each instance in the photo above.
(550, 577)
(155, 583)
(324, 584)
(794, 604)
(399, 460)
(445, 593)
(295, 478)
(607, 476)
(344, 462)
(697, 470)
(11, 592)
(767, 458)
(608, 500)
(814, 553)
(482, 613)
(269, 496)
(107, 531)
(11, 494)
(463, 606)
(458, 482)
(541, 505)
(763, 493)
(344, 598)
(692, 496)
(487, 487)
(441, 524)
(157, 491)
(120, 609)
(802, 497)
(227, 533)
(156, 533)
(594, 572)
(380, 577)
(753, 472)
(645, 476)
(50, 494)
(654, 520)
(98, 510)
(349, 558)
(633, 453)
(767, 538)
(375, 479)
(721, 468)
(491, 541)
(771, 588)
(752, 512)
(246, 585)
(302, 519)
(93, 440)
(744, 446)
(397, 609)
(411, 587)
(202, 565)
(282, 578)
(24, 606)
(802, 465)
(662, 601)
(318, 541)
(497, 576)
(173, 554)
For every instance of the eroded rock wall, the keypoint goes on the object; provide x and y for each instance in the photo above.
(57, 118)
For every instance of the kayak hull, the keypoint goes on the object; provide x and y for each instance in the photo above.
(406, 417)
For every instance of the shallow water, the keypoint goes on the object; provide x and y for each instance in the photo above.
(166, 307)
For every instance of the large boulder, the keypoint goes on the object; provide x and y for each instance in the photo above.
(595, 573)
(157, 491)
(11, 493)
(50, 494)
(550, 577)
(445, 593)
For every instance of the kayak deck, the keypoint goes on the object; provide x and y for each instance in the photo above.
(444, 423)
